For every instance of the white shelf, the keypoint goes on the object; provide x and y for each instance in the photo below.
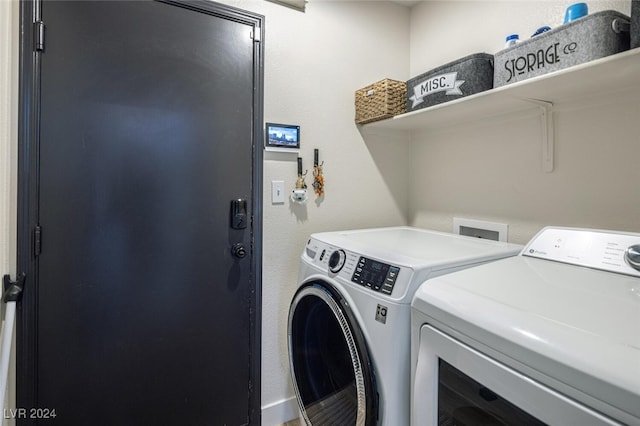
(620, 72)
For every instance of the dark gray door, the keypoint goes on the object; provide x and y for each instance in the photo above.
(140, 313)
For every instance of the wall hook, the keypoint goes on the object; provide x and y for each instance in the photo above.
(318, 178)
(299, 194)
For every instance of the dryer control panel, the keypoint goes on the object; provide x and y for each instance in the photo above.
(607, 250)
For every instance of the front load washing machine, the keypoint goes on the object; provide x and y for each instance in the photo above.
(550, 337)
(349, 322)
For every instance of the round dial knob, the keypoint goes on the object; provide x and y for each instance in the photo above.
(633, 256)
(336, 261)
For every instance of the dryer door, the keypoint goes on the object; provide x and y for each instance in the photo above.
(330, 364)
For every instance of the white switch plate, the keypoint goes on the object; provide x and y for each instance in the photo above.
(277, 192)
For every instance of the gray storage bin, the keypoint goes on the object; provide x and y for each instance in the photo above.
(457, 79)
(579, 41)
(635, 23)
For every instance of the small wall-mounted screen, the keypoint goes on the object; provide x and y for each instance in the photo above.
(283, 136)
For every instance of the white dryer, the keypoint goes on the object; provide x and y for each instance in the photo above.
(551, 336)
(349, 321)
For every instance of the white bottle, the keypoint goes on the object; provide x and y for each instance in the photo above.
(512, 40)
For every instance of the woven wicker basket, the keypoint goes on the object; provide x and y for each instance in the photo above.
(380, 100)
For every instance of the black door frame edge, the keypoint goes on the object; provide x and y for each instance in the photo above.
(28, 167)
(28, 209)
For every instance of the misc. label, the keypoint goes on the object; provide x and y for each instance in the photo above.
(542, 58)
(440, 83)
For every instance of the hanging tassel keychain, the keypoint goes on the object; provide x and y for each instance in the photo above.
(318, 179)
(299, 194)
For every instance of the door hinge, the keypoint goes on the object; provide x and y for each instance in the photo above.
(256, 34)
(38, 36)
(37, 240)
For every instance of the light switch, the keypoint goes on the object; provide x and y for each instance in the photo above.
(277, 192)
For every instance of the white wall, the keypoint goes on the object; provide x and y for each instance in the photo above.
(8, 129)
(492, 171)
(8, 138)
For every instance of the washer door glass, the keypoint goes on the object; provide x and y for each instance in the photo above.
(329, 361)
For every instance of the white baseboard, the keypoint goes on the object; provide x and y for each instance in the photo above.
(280, 412)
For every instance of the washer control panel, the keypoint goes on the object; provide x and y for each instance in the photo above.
(375, 275)
(607, 250)
(363, 271)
